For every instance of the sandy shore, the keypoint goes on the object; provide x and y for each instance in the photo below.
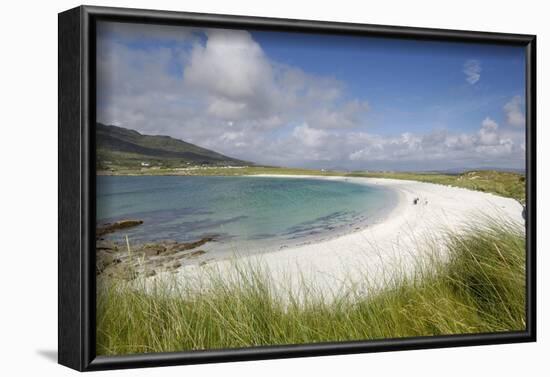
(394, 244)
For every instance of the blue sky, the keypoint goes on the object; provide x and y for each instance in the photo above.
(317, 100)
(405, 78)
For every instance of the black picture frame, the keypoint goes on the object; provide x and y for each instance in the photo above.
(76, 114)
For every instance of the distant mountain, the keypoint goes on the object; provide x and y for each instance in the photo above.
(123, 147)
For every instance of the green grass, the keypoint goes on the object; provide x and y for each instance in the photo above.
(478, 288)
(511, 185)
(215, 171)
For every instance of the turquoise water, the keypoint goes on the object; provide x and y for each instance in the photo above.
(245, 213)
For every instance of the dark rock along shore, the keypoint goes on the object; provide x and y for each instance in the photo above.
(126, 261)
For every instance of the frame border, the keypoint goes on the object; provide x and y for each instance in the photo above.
(76, 188)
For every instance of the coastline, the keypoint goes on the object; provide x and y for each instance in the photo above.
(319, 238)
(373, 219)
(390, 247)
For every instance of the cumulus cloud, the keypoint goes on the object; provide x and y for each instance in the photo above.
(486, 146)
(214, 82)
(310, 137)
(514, 113)
(219, 89)
(487, 133)
(306, 145)
(232, 71)
(472, 70)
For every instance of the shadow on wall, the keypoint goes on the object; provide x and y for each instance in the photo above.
(50, 355)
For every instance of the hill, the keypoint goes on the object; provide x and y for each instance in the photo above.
(119, 147)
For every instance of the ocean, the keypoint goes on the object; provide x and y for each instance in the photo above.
(245, 214)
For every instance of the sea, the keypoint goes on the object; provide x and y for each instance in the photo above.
(244, 214)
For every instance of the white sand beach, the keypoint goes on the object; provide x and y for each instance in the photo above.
(394, 244)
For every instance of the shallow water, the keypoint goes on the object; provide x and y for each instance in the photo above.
(247, 214)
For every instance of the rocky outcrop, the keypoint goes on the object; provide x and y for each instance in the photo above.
(123, 261)
(113, 227)
(116, 260)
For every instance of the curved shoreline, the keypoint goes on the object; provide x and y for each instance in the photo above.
(394, 245)
(358, 226)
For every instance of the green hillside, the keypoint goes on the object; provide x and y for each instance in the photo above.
(120, 148)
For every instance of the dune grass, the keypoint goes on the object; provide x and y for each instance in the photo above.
(478, 286)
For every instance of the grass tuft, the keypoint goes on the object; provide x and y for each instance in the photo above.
(478, 286)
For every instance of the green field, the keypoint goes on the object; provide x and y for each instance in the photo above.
(216, 170)
(480, 288)
(511, 185)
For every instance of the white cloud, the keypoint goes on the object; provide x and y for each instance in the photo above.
(231, 66)
(472, 70)
(226, 109)
(221, 80)
(487, 146)
(489, 124)
(345, 116)
(219, 90)
(310, 137)
(513, 111)
(488, 132)
(237, 139)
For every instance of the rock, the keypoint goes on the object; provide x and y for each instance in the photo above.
(109, 259)
(193, 245)
(157, 263)
(104, 260)
(116, 263)
(106, 245)
(195, 254)
(151, 250)
(99, 268)
(124, 272)
(122, 224)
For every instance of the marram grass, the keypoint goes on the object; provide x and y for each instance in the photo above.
(478, 287)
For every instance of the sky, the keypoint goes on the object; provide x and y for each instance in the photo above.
(316, 101)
